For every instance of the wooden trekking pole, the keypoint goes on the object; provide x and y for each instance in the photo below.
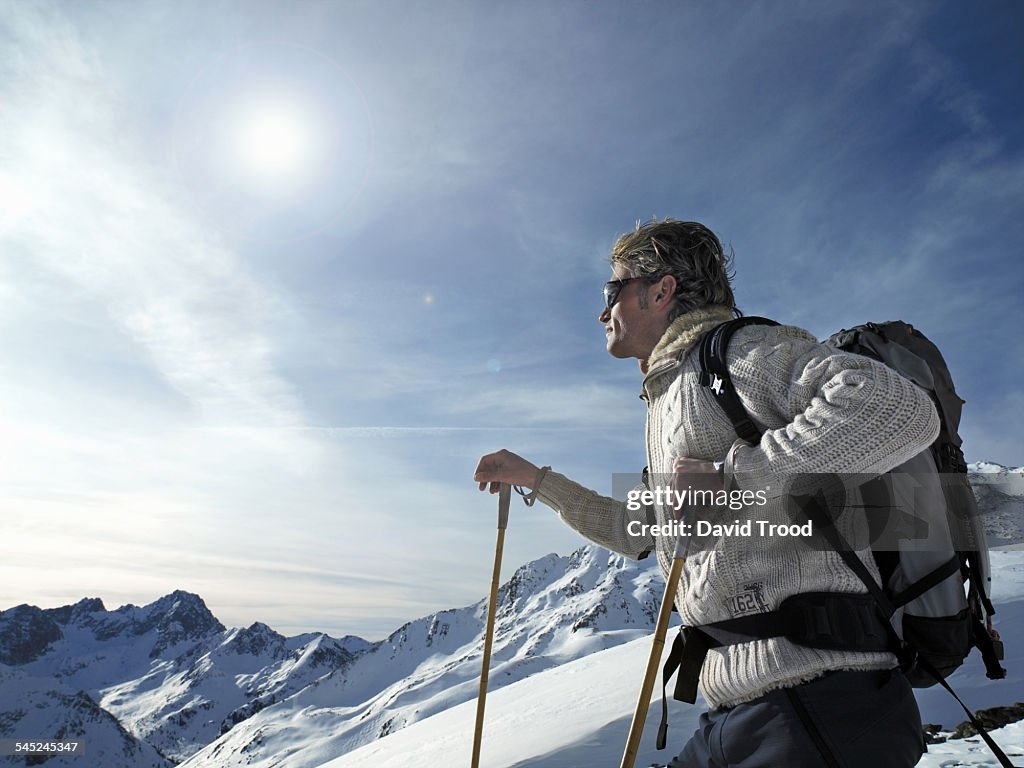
(636, 729)
(504, 497)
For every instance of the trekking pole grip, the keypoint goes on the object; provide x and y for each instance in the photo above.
(504, 499)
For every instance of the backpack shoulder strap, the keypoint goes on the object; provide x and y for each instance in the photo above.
(715, 374)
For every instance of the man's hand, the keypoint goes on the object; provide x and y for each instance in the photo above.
(504, 467)
(695, 474)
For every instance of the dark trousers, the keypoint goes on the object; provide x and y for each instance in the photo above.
(843, 720)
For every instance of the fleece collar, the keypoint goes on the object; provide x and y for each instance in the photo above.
(686, 329)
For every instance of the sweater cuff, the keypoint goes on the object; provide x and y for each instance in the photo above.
(556, 490)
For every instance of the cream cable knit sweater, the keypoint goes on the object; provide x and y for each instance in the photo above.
(824, 411)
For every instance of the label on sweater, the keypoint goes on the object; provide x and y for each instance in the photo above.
(750, 600)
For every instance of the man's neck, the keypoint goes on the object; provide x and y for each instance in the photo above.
(686, 329)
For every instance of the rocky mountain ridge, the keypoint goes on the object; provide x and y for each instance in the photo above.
(155, 683)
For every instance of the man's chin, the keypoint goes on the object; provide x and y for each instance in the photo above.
(616, 350)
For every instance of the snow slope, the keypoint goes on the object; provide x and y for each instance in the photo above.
(574, 715)
(578, 714)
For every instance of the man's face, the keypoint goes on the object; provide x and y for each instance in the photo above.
(630, 325)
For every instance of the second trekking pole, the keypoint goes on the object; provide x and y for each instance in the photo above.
(504, 498)
(636, 729)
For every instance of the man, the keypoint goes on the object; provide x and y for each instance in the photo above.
(773, 702)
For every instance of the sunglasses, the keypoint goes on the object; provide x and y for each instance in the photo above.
(613, 287)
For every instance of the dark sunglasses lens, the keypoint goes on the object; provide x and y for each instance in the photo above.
(611, 293)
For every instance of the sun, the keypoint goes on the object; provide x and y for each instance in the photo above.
(275, 143)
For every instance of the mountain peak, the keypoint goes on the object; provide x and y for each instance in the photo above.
(89, 605)
(176, 598)
(177, 617)
(257, 639)
(77, 613)
(26, 633)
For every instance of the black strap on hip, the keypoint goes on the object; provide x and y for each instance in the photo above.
(829, 620)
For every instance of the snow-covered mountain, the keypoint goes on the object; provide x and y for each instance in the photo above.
(150, 685)
(1010, 477)
(34, 705)
(167, 683)
(551, 611)
(171, 679)
(1000, 494)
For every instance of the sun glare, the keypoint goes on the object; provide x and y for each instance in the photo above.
(275, 144)
(273, 141)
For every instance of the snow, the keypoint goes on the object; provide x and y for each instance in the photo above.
(974, 752)
(1008, 480)
(575, 714)
(579, 713)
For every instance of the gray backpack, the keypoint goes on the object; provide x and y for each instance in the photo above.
(933, 603)
(925, 579)
(935, 585)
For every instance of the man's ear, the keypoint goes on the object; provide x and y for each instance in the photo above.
(666, 290)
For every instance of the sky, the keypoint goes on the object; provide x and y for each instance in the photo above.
(273, 276)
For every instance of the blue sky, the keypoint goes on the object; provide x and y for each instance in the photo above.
(273, 276)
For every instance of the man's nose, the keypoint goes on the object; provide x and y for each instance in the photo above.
(605, 316)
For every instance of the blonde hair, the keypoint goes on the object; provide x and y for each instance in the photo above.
(688, 251)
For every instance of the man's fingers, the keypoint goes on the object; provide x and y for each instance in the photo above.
(695, 473)
(503, 467)
(490, 474)
(694, 466)
(489, 465)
